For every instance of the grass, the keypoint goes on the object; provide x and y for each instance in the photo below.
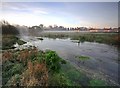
(10, 69)
(96, 82)
(83, 58)
(77, 78)
(30, 67)
(107, 38)
(9, 40)
(33, 65)
(60, 79)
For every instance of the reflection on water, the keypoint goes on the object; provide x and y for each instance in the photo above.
(103, 58)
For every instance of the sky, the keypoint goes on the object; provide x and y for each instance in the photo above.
(68, 14)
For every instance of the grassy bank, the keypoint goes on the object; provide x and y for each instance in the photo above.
(9, 36)
(30, 67)
(107, 38)
(8, 41)
(33, 67)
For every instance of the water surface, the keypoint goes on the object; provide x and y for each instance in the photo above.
(103, 58)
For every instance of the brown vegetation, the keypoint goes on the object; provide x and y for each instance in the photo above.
(35, 75)
(7, 55)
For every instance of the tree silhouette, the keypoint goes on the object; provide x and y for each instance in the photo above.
(9, 29)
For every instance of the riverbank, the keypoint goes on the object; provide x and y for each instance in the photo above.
(63, 63)
(30, 67)
(8, 41)
(107, 38)
(33, 67)
(103, 58)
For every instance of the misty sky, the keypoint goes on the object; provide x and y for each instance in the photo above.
(68, 14)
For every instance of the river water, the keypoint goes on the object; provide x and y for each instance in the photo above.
(103, 62)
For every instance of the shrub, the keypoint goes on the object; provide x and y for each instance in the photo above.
(9, 29)
(63, 62)
(52, 61)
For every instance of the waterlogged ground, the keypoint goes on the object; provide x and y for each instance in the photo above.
(102, 62)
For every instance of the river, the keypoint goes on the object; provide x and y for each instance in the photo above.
(103, 62)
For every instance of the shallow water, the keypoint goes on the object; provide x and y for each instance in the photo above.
(103, 58)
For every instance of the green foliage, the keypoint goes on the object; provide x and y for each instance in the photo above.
(9, 40)
(9, 69)
(60, 80)
(95, 82)
(77, 77)
(14, 80)
(7, 65)
(83, 58)
(52, 61)
(40, 62)
(82, 38)
(60, 72)
(40, 56)
(63, 62)
(16, 69)
(107, 38)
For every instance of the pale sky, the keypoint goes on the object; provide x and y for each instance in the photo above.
(68, 14)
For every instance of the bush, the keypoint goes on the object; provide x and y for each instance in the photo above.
(63, 62)
(52, 61)
(9, 29)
